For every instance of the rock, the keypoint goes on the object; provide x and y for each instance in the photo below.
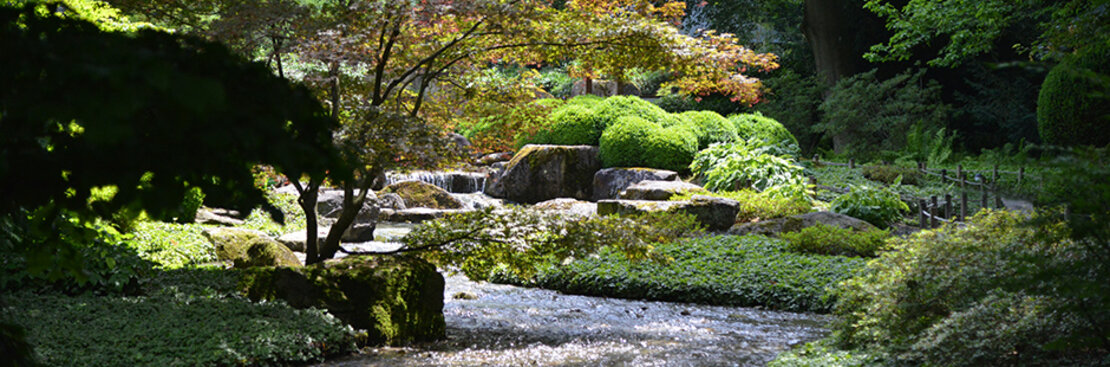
(658, 190)
(464, 296)
(288, 189)
(609, 182)
(419, 194)
(452, 181)
(391, 201)
(458, 140)
(357, 232)
(545, 172)
(604, 88)
(773, 227)
(414, 215)
(329, 203)
(717, 214)
(492, 158)
(247, 248)
(396, 299)
(568, 206)
(217, 217)
(296, 240)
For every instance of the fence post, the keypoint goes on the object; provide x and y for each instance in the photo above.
(1021, 175)
(948, 206)
(943, 175)
(998, 200)
(963, 180)
(963, 206)
(960, 174)
(851, 163)
(983, 199)
(935, 213)
(994, 178)
(816, 159)
(921, 214)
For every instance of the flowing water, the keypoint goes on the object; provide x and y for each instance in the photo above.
(502, 325)
(452, 181)
(512, 326)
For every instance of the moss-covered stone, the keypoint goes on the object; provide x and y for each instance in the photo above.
(543, 172)
(419, 194)
(716, 214)
(396, 299)
(246, 248)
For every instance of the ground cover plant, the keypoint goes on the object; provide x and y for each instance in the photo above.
(824, 239)
(183, 317)
(720, 270)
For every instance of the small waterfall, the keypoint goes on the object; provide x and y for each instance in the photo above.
(453, 181)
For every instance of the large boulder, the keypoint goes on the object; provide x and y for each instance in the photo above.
(419, 194)
(247, 248)
(545, 172)
(329, 204)
(396, 299)
(717, 214)
(658, 190)
(772, 227)
(609, 182)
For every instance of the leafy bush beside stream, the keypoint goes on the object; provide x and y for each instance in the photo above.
(723, 270)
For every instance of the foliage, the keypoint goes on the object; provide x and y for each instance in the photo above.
(931, 146)
(821, 354)
(1074, 103)
(610, 110)
(677, 103)
(755, 205)
(792, 99)
(572, 124)
(724, 270)
(635, 142)
(756, 126)
(496, 107)
(87, 256)
(996, 291)
(711, 127)
(823, 239)
(744, 164)
(557, 82)
(969, 28)
(998, 106)
(648, 82)
(260, 220)
(172, 245)
(188, 317)
(879, 206)
(890, 174)
(864, 115)
(61, 146)
(520, 240)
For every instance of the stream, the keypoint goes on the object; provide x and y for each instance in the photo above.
(506, 325)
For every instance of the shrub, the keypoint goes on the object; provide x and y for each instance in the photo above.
(792, 99)
(864, 116)
(172, 245)
(610, 110)
(724, 270)
(888, 174)
(569, 125)
(755, 205)
(585, 100)
(721, 104)
(635, 142)
(1073, 106)
(823, 239)
(733, 166)
(557, 82)
(712, 128)
(991, 292)
(751, 126)
(622, 145)
(879, 206)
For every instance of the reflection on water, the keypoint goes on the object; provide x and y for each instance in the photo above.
(513, 326)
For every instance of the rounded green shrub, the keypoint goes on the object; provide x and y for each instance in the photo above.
(622, 144)
(613, 108)
(1073, 107)
(585, 100)
(756, 126)
(570, 125)
(670, 148)
(712, 127)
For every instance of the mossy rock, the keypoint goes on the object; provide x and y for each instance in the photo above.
(397, 300)
(419, 194)
(246, 248)
(544, 172)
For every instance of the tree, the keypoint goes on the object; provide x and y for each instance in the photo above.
(149, 113)
(384, 58)
(969, 28)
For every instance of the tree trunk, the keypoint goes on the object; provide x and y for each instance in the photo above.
(831, 27)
